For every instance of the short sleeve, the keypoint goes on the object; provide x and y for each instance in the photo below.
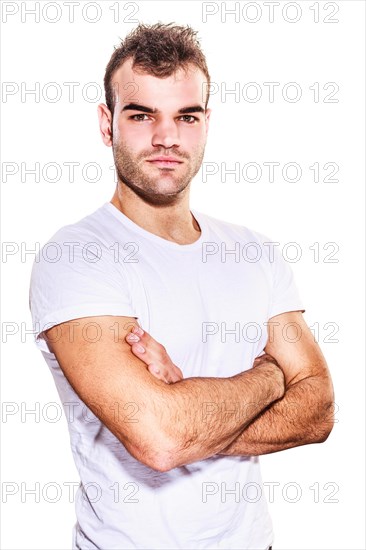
(71, 279)
(285, 294)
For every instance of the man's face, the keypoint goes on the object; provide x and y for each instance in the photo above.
(159, 131)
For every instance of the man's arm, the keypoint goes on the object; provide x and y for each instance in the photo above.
(305, 413)
(161, 425)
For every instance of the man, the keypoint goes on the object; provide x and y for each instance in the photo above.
(177, 362)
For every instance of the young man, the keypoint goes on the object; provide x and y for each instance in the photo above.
(177, 364)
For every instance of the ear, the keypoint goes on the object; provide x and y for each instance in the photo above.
(105, 124)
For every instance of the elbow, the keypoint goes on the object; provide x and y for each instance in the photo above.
(162, 462)
(156, 446)
(326, 421)
(168, 450)
(158, 455)
(156, 460)
(323, 434)
(167, 460)
(173, 456)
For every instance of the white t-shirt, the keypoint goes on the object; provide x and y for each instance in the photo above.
(208, 303)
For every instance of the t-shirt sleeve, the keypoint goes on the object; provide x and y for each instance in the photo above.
(285, 294)
(71, 279)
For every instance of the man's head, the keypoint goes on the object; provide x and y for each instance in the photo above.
(159, 50)
(154, 86)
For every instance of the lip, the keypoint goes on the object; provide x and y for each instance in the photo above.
(168, 161)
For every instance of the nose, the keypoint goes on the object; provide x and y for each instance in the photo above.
(165, 134)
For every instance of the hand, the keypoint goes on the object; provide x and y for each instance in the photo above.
(154, 355)
(265, 358)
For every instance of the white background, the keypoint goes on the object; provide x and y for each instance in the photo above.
(304, 212)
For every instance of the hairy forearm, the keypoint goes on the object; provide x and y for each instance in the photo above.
(304, 415)
(196, 411)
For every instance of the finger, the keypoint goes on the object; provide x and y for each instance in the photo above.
(135, 335)
(146, 341)
(152, 350)
(150, 359)
(179, 372)
(156, 371)
(174, 373)
(141, 353)
(167, 375)
(146, 348)
(132, 338)
(170, 372)
(140, 332)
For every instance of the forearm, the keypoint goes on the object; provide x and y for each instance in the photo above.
(304, 415)
(196, 411)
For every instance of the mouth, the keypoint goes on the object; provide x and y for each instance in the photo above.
(165, 162)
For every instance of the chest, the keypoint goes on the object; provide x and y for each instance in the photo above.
(206, 314)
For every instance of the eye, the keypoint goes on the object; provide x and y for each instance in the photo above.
(189, 118)
(138, 118)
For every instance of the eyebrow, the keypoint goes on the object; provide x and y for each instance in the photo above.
(192, 109)
(144, 109)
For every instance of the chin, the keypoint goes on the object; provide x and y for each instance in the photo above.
(161, 199)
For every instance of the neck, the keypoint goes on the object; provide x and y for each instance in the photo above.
(173, 222)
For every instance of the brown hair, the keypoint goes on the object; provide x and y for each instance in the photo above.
(159, 50)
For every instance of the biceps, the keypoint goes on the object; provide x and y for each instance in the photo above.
(292, 344)
(102, 370)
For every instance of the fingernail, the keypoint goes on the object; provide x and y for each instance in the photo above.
(138, 330)
(139, 348)
(133, 338)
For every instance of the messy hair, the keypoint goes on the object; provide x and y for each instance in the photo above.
(158, 50)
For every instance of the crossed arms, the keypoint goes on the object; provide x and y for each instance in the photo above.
(285, 401)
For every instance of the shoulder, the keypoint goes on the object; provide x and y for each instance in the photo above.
(91, 236)
(80, 247)
(91, 226)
